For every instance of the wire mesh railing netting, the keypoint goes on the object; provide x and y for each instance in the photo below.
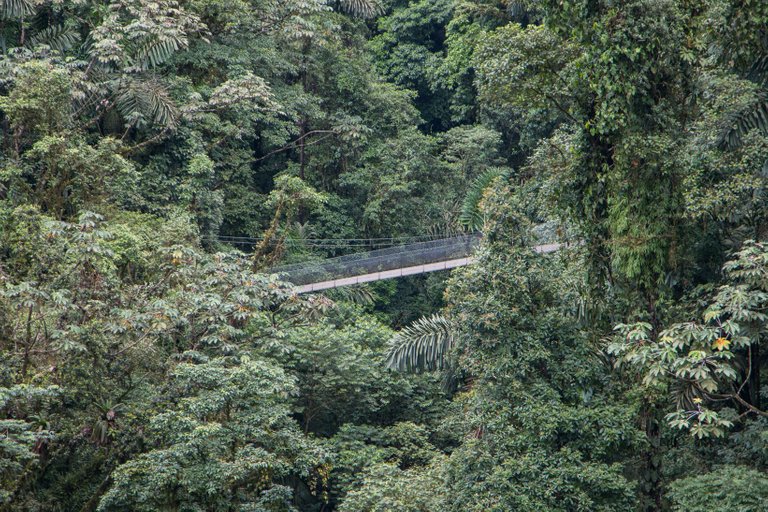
(379, 260)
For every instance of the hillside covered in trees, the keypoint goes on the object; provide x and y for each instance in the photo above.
(159, 157)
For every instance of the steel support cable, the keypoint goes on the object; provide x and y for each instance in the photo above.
(336, 243)
(319, 246)
(421, 246)
(408, 238)
(412, 237)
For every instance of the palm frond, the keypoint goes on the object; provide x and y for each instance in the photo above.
(362, 8)
(355, 294)
(423, 345)
(56, 37)
(299, 233)
(156, 51)
(471, 215)
(740, 123)
(441, 230)
(517, 8)
(10, 9)
(146, 101)
(759, 70)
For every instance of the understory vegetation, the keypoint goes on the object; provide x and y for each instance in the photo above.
(159, 157)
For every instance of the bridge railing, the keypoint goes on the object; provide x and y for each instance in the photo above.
(379, 260)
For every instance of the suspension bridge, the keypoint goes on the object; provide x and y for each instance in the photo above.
(389, 263)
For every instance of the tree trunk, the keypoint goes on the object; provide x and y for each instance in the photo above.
(754, 375)
(651, 488)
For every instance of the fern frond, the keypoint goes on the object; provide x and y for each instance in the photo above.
(471, 215)
(362, 8)
(10, 9)
(57, 37)
(740, 123)
(423, 345)
(147, 101)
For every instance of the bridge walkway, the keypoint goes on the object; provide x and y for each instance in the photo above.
(391, 263)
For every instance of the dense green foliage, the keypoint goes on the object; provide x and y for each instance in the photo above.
(157, 158)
